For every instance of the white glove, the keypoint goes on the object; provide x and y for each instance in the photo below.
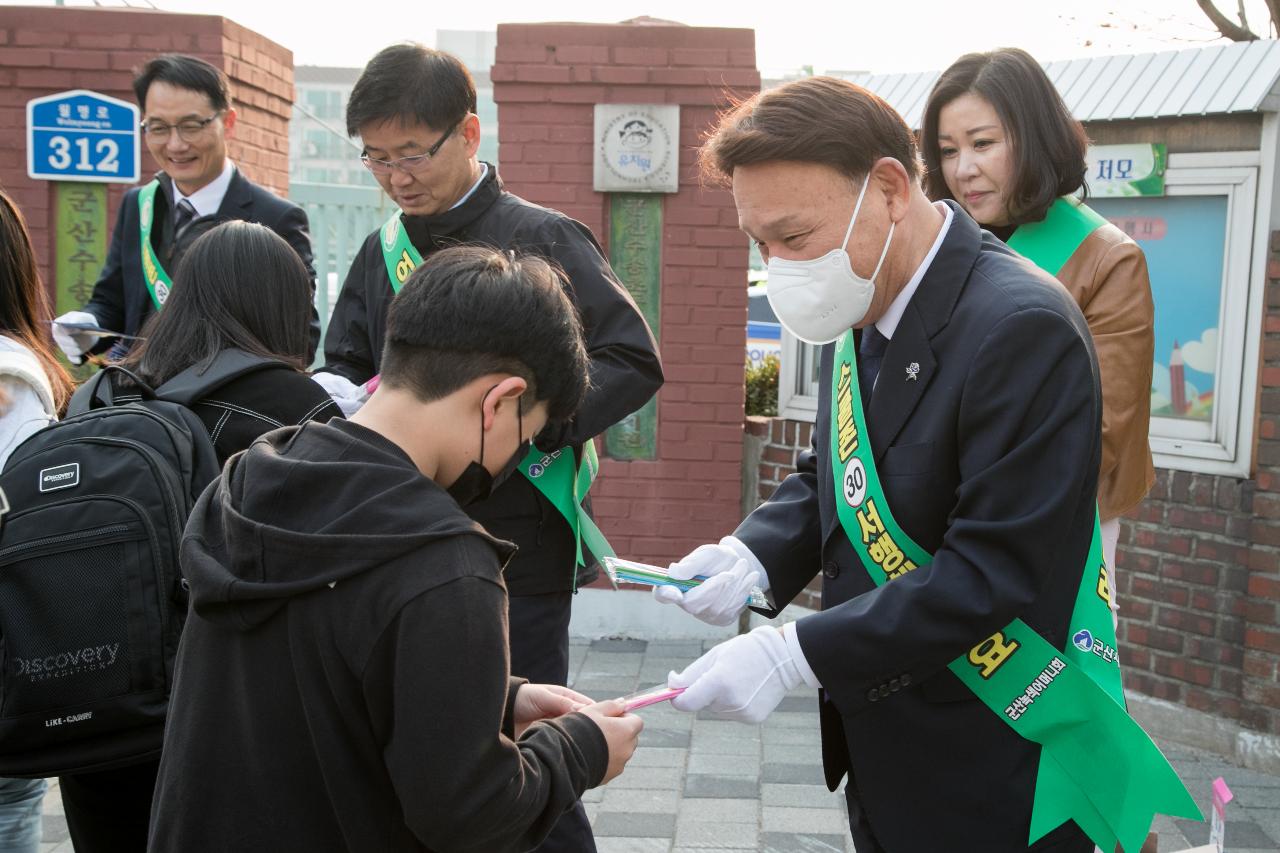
(348, 395)
(74, 344)
(731, 571)
(745, 678)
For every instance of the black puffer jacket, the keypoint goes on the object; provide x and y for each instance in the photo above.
(624, 363)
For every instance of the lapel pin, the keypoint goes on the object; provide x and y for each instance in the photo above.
(913, 371)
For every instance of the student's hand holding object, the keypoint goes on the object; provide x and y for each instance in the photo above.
(544, 701)
(620, 729)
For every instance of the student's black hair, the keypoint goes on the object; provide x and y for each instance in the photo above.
(470, 311)
(412, 84)
(239, 286)
(1049, 144)
(185, 72)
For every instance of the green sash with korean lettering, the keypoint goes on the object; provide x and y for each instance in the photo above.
(1097, 766)
(157, 279)
(552, 474)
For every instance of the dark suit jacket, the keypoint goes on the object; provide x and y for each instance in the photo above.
(989, 460)
(121, 301)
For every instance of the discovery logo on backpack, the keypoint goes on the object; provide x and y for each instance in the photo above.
(61, 477)
(91, 599)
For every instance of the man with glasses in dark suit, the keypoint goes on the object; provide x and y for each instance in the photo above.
(187, 120)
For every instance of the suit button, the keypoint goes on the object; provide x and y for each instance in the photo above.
(873, 695)
(895, 685)
(905, 680)
(831, 570)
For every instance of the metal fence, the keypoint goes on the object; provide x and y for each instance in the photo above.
(341, 217)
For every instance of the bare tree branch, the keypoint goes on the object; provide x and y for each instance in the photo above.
(1273, 6)
(1244, 21)
(1225, 25)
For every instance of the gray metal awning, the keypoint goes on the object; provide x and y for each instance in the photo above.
(1232, 78)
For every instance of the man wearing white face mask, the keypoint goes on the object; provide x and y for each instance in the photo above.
(948, 495)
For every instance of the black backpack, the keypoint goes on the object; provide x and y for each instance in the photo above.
(91, 599)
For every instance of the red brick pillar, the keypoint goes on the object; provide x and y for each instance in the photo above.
(44, 50)
(547, 80)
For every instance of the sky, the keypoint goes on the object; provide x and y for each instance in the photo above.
(848, 35)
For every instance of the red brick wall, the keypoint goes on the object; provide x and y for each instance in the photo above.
(1198, 567)
(44, 50)
(547, 80)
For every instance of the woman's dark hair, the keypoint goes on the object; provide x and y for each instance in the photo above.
(1048, 144)
(24, 303)
(414, 84)
(470, 311)
(239, 286)
(815, 120)
(184, 72)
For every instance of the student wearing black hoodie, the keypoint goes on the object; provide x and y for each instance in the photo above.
(343, 680)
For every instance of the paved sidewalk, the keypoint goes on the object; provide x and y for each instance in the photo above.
(702, 784)
(698, 784)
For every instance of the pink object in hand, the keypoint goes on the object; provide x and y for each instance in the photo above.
(649, 697)
(372, 384)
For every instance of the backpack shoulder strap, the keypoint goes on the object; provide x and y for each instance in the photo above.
(25, 368)
(195, 384)
(98, 392)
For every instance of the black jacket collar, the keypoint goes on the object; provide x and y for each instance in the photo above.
(424, 231)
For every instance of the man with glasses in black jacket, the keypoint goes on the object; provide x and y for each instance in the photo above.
(414, 110)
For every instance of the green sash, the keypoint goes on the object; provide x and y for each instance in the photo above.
(1097, 766)
(552, 474)
(158, 282)
(1051, 242)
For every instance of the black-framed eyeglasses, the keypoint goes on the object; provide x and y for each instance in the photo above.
(408, 165)
(188, 129)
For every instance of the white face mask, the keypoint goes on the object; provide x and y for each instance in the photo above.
(819, 300)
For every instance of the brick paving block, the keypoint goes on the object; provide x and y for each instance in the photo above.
(726, 729)
(707, 745)
(716, 834)
(792, 774)
(618, 645)
(800, 820)
(807, 842)
(794, 720)
(611, 665)
(593, 795)
(800, 796)
(709, 764)
(655, 674)
(724, 810)
(663, 716)
(641, 800)
(634, 824)
(664, 737)
(603, 688)
(660, 778)
(721, 787)
(633, 845)
(1267, 820)
(55, 829)
(1239, 834)
(793, 737)
(647, 756)
(684, 649)
(807, 703)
